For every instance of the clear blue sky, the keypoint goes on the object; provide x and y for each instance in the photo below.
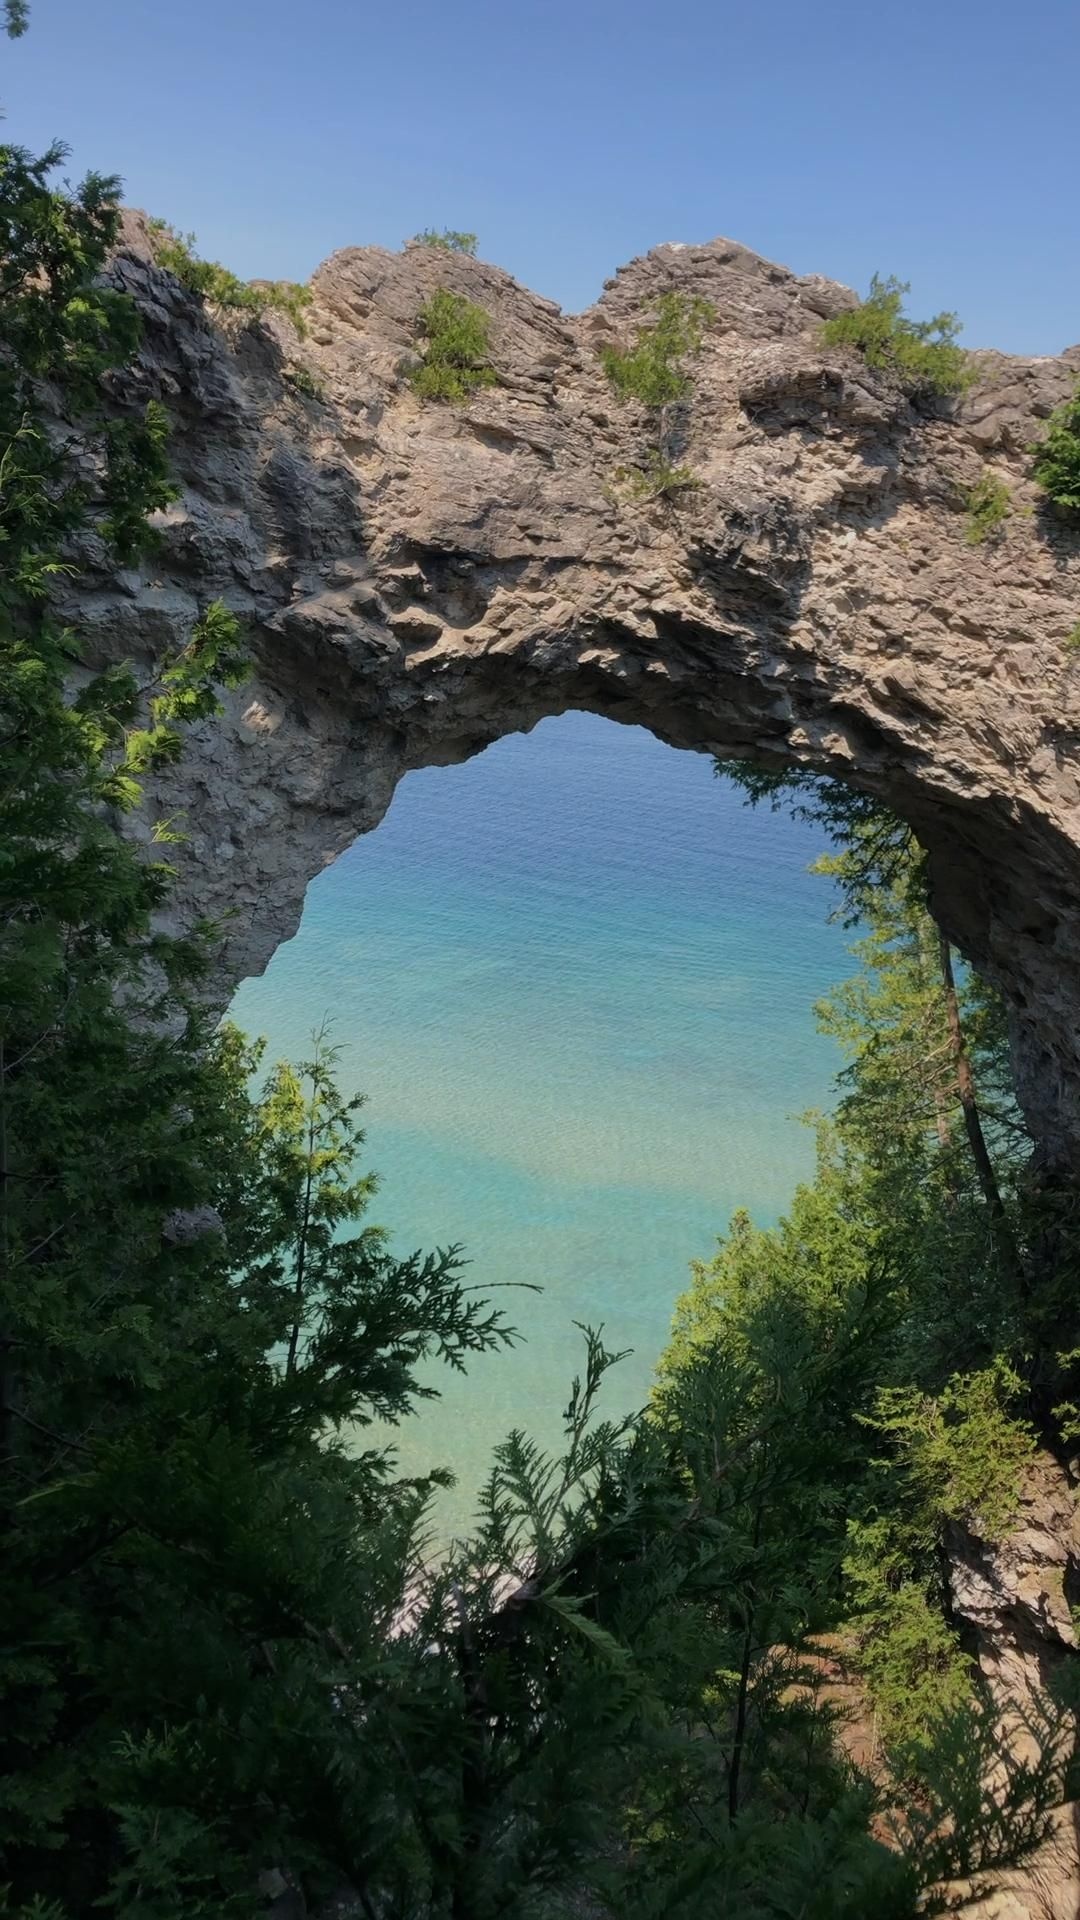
(935, 139)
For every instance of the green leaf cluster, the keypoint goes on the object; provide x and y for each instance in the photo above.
(304, 381)
(652, 371)
(1057, 456)
(922, 355)
(446, 240)
(456, 337)
(658, 479)
(924, 1164)
(989, 504)
(216, 284)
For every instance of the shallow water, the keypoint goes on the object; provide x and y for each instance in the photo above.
(574, 977)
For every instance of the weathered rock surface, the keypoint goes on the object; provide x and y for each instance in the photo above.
(419, 580)
(1016, 1598)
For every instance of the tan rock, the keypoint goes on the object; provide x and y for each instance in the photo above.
(420, 579)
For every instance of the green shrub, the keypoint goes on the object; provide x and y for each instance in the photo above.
(448, 240)
(211, 281)
(921, 354)
(963, 1450)
(456, 335)
(1057, 456)
(657, 480)
(910, 1658)
(988, 507)
(285, 296)
(304, 381)
(1072, 639)
(651, 370)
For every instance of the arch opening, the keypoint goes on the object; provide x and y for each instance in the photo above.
(575, 979)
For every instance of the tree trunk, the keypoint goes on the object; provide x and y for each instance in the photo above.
(302, 1244)
(7, 1358)
(739, 1739)
(965, 1086)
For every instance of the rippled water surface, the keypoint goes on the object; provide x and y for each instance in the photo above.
(574, 977)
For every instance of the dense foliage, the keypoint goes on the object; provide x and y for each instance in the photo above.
(921, 354)
(1057, 456)
(930, 1154)
(456, 337)
(233, 1661)
(175, 1510)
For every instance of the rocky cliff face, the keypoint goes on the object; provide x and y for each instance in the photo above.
(420, 579)
(1015, 1597)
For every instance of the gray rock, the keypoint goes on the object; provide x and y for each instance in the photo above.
(419, 580)
(185, 1225)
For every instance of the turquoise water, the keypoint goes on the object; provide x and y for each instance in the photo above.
(574, 978)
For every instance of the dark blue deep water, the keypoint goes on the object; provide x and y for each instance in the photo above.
(574, 978)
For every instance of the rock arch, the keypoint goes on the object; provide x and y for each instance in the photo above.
(419, 580)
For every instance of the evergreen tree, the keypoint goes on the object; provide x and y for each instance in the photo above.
(927, 1048)
(181, 1528)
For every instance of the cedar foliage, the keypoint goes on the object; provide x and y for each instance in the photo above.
(1057, 456)
(179, 1531)
(929, 1154)
(456, 336)
(922, 355)
(653, 373)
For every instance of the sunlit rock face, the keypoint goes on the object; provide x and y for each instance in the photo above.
(419, 579)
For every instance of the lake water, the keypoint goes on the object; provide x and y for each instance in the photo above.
(574, 977)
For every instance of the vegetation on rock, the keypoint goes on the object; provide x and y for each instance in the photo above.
(447, 239)
(456, 336)
(652, 370)
(211, 281)
(1057, 456)
(656, 480)
(989, 504)
(653, 373)
(304, 381)
(922, 355)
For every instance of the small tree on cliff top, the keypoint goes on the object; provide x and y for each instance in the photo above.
(922, 354)
(445, 240)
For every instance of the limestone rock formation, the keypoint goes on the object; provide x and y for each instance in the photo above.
(419, 579)
(1015, 1598)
